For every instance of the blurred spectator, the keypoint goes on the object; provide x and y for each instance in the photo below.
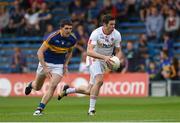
(168, 45)
(154, 24)
(172, 24)
(82, 38)
(171, 3)
(4, 18)
(132, 57)
(176, 64)
(141, 68)
(77, 12)
(122, 9)
(92, 15)
(83, 67)
(38, 2)
(144, 9)
(131, 8)
(49, 29)
(75, 6)
(158, 4)
(32, 21)
(143, 49)
(165, 10)
(153, 71)
(177, 5)
(17, 21)
(26, 4)
(167, 67)
(44, 17)
(108, 8)
(18, 63)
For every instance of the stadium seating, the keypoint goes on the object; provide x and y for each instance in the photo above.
(29, 45)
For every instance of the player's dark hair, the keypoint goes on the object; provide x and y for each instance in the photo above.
(107, 18)
(65, 22)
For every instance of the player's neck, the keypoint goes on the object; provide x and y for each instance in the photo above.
(106, 31)
(61, 33)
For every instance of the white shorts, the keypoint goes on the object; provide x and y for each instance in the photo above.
(54, 68)
(97, 67)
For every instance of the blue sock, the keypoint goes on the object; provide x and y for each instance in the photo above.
(42, 105)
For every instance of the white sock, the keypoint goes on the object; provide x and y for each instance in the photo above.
(92, 103)
(70, 90)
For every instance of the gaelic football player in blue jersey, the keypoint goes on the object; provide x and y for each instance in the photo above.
(54, 55)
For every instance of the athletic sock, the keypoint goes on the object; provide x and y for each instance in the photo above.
(92, 102)
(70, 90)
(41, 106)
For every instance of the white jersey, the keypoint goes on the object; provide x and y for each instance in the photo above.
(104, 44)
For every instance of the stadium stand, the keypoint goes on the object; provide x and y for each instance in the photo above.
(130, 31)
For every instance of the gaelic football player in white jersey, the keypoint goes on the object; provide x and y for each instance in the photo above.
(102, 42)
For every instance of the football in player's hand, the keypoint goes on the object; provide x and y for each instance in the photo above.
(116, 63)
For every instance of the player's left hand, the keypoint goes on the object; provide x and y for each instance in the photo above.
(109, 62)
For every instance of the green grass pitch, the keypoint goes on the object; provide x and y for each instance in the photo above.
(108, 109)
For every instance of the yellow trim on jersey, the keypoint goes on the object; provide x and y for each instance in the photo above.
(52, 35)
(57, 49)
(73, 35)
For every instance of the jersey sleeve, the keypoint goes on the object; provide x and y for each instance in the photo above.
(93, 38)
(118, 39)
(49, 40)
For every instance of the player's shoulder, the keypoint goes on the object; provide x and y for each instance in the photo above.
(97, 30)
(116, 32)
(51, 35)
(73, 36)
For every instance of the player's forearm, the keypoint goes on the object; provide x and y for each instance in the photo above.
(68, 57)
(95, 55)
(118, 52)
(41, 59)
(118, 55)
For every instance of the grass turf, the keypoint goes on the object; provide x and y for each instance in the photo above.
(109, 109)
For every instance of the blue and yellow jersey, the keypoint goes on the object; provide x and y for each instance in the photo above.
(166, 65)
(58, 47)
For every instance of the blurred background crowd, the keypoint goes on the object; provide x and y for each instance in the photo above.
(150, 33)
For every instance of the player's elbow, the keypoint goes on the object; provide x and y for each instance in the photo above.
(38, 53)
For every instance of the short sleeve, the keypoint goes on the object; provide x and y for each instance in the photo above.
(93, 38)
(48, 39)
(117, 39)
